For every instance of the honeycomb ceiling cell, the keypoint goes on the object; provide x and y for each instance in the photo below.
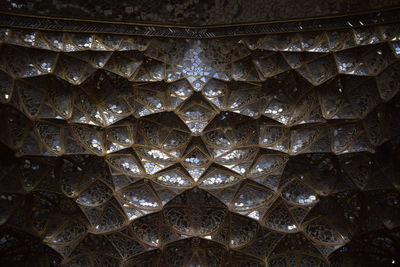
(204, 133)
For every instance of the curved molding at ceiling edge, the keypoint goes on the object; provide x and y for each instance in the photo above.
(10, 20)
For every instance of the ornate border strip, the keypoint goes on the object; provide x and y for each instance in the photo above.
(91, 26)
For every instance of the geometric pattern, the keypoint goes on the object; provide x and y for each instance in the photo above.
(279, 150)
(203, 12)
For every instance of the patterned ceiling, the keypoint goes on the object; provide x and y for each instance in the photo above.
(279, 149)
(194, 12)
